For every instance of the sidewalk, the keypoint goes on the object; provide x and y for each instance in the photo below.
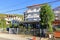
(17, 37)
(13, 36)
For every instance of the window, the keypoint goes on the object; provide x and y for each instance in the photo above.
(56, 14)
(35, 19)
(37, 8)
(56, 11)
(32, 9)
(30, 19)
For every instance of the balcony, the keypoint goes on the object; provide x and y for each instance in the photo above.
(56, 12)
(30, 11)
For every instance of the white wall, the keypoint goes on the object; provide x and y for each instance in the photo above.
(32, 14)
(16, 19)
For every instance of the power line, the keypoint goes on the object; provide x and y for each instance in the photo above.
(52, 2)
(16, 4)
(15, 10)
(26, 7)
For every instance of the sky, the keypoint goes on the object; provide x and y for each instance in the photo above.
(7, 5)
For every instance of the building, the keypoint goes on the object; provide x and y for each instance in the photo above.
(32, 13)
(31, 16)
(12, 19)
(57, 16)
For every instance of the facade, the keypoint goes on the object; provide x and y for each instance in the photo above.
(57, 16)
(57, 13)
(31, 17)
(12, 19)
(32, 13)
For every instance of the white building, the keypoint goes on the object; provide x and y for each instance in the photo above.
(12, 19)
(57, 13)
(32, 13)
(31, 16)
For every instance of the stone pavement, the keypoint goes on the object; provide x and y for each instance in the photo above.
(18, 37)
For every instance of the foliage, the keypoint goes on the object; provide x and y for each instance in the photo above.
(14, 26)
(3, 23)
(46, 16)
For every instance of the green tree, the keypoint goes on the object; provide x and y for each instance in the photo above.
(46, 16)
(3, 23)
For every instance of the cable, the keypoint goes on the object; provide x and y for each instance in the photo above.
(16, 4)
(26, 7)
(15, 10)
(52, 2)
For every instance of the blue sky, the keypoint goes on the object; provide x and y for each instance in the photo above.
(7, 5)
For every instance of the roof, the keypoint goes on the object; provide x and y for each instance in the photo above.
(57, 8)
(34, 5)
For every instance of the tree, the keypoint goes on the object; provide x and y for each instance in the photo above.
(47, 17)
(3, 23)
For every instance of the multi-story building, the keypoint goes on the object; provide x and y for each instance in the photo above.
(31, 17)
(32, 13)
(57, 15)
(12, 19)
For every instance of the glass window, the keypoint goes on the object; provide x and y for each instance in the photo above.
(37, 8)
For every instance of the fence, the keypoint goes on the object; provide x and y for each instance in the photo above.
(23, 31)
